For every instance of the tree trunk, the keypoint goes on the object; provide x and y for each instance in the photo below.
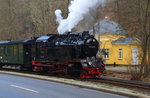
(144, 66)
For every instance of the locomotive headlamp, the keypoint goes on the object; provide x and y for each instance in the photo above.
(90, 62)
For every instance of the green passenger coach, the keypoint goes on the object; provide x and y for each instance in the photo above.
(16, 53)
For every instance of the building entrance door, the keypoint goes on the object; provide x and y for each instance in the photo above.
(135, 57)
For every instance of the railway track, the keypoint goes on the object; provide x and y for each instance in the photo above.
(107, 80)
(123, 83)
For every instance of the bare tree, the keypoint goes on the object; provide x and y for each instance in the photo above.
(143, 12)
(21, 19)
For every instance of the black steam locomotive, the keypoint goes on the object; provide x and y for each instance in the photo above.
(73, 54)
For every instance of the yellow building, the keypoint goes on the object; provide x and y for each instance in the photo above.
(118, 47)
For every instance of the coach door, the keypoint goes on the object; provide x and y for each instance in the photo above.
(135, 57)
(28, 53)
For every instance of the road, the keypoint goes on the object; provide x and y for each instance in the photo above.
(23, 87)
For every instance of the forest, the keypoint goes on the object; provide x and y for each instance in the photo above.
(21, 19)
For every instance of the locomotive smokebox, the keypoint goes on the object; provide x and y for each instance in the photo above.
(90, 47)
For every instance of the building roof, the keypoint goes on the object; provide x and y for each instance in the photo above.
(129, 40)
(108, 27)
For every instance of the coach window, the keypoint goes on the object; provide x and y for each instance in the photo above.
(14, 50)
(5, 50)
(120, 54)
(106, 56)
(9, 50)
(1, 50)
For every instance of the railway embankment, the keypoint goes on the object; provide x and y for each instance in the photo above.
(86, 84)
(124, 72)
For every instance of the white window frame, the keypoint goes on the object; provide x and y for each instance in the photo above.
(106, 56)
(120, 54)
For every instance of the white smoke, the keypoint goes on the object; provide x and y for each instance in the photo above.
(58, 15)
(78, 9)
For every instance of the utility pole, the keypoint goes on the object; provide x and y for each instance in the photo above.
(99, 32)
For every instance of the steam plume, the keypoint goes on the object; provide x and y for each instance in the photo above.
(58, 15)
(78, 9)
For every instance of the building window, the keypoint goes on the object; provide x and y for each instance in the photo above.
(120, 54)
(106, 56)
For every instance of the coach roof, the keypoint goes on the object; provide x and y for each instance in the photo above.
(16, 41)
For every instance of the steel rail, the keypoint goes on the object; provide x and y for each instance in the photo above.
(121, 82)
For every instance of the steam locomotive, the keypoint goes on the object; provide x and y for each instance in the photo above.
(72, 54)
